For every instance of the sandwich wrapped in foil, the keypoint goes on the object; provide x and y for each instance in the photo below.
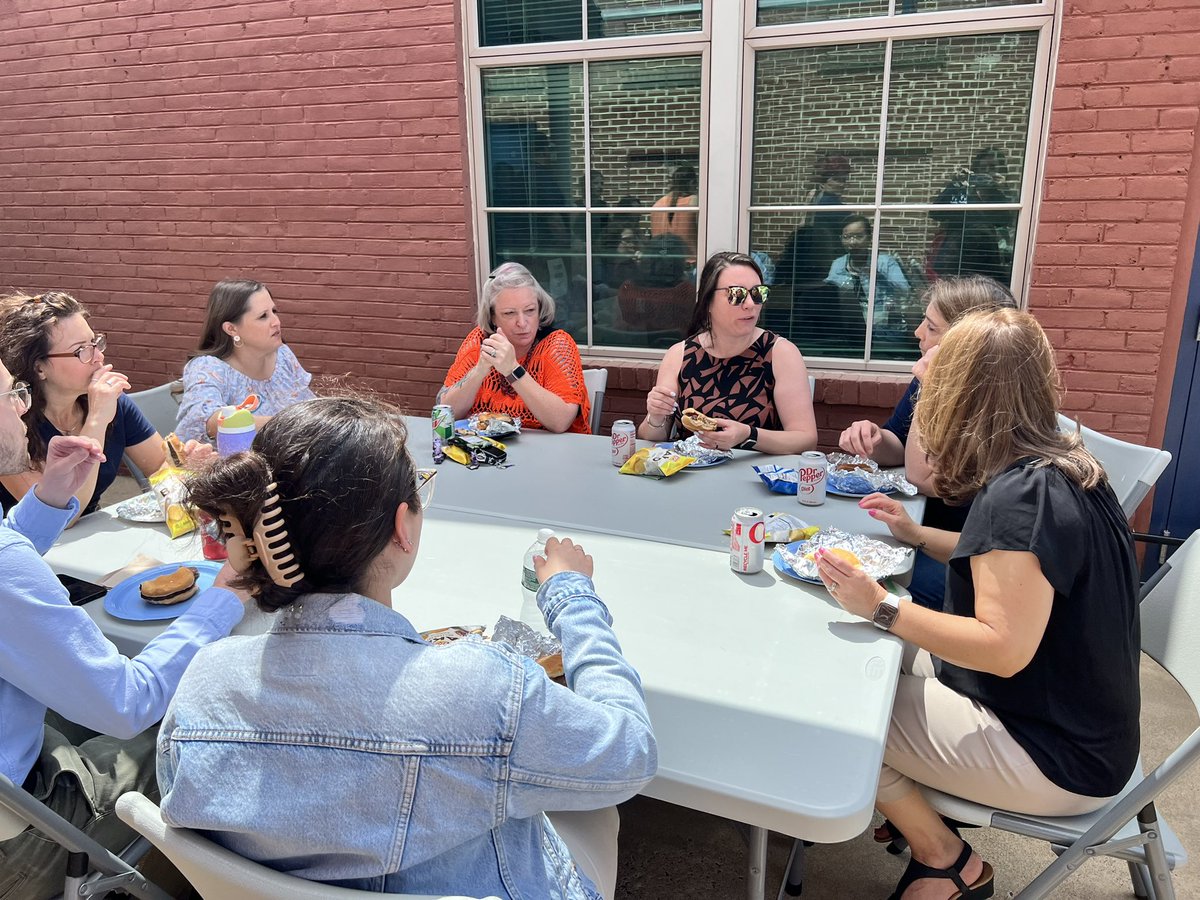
(859, 475)
(879, 560)
(691, 446)
(524, 639)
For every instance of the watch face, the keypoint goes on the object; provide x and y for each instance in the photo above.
(885, 614)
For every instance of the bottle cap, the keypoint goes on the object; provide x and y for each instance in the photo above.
(545, 534)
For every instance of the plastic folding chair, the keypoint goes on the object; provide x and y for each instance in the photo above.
(218, 874)
(1132, 469)
(160, 405)
(92, 870)
(1128, 828)
(596, 380)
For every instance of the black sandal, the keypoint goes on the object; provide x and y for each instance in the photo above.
(983, 887)
(897, 843)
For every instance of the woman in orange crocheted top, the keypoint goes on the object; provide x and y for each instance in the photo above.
(516, 361)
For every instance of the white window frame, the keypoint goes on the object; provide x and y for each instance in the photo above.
(727, 43)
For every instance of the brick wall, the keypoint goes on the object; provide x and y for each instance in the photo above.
(1122, 133)
(151, 149)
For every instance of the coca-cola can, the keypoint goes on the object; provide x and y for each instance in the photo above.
(746, 534)
(811, 474)
(624, 441)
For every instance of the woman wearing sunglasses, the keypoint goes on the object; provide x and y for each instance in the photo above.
(46, 342)
(751, 381)
(376, 760)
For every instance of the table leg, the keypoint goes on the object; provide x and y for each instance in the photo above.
(756, 874)
(793, 876)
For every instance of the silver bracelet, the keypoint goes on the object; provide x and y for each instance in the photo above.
(653, 424)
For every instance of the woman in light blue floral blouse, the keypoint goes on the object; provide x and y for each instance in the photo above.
(241, 352)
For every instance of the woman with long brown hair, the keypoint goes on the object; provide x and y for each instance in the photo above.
(753, 382)
(1034, 704)
(46, 342)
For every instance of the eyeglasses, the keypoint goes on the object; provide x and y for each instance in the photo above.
(86, 353)
(425, 486)
(19, 397)
(736, 294)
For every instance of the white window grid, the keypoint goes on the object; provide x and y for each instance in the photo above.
(726, 43)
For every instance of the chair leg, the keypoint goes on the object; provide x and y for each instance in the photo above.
(756, 873)
(1161, 885)
(793, 875)
(1140, 876)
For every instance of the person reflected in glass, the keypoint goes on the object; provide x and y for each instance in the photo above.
(851, 273)
(47, 343)
(378, 761)
(241, 352)
(1023, 694)
(516, 361)
(658, 299)
(753, 382)
(976, 241)
(685, 186)
(896, 442)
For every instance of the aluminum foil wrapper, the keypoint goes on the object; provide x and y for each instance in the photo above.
(691, 446)
(145, 507)
(524, 639)
(879, 560)
(866, 476)
(494, 429)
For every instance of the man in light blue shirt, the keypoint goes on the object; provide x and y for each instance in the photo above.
(54, 657)
(851, 274)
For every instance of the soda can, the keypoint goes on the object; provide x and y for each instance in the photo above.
(746, 534)
(443, 422)
(624, 441)
(811, 475)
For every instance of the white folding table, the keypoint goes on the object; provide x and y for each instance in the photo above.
(770, 704)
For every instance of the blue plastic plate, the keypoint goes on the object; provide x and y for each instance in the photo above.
(125, 601)
(884, 490)
(784, 569)
(505, 432)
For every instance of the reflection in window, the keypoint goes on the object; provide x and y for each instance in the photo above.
(793, 12)
(956, 128)
(637, 194)
(503, 22)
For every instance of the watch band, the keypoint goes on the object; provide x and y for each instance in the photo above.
(751, 442)
(886, 612)
(516, 374)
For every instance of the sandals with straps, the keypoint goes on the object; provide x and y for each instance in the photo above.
(983, 887)
(897, 843)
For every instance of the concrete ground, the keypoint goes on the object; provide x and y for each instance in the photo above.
(670, 852)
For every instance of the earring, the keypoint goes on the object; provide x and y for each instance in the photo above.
(236, 340)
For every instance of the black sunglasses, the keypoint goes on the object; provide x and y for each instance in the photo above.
(736, 294)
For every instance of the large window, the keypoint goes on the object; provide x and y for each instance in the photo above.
(616, 143)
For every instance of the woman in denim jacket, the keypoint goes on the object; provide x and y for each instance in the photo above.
(342, 748)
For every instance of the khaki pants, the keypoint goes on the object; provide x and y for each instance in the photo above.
(80, 783)
(592, 839)
(946, 741)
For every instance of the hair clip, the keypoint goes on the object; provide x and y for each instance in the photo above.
(268, 544)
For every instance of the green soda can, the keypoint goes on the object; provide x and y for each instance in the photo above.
(443, 422)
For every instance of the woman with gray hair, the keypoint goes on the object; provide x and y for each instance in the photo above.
(515, 361)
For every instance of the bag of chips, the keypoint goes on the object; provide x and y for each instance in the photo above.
(657, 462)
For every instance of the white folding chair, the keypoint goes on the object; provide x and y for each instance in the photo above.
(596, 381)
(812, 386)
(160, 405)
(1132, 469)
(92, 870)
(1128, 828)
(218, 874)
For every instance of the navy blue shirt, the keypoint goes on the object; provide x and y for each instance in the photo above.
(128, 429)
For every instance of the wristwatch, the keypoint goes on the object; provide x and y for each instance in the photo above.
(751, 442)
(885, 613)
(517, 373)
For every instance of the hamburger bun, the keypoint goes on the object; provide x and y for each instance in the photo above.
(694, 420)
(174, 587)
(840, 553)
(488, 419)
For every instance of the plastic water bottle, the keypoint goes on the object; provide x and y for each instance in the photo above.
(530, 614)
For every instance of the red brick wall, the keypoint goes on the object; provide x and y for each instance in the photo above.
(1121, 138)
(318, 147)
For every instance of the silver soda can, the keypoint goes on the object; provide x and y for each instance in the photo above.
(624, 441)
(746, 535)
(811, 475)
(443, 423)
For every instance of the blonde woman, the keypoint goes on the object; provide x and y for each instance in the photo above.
(1034, 707)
